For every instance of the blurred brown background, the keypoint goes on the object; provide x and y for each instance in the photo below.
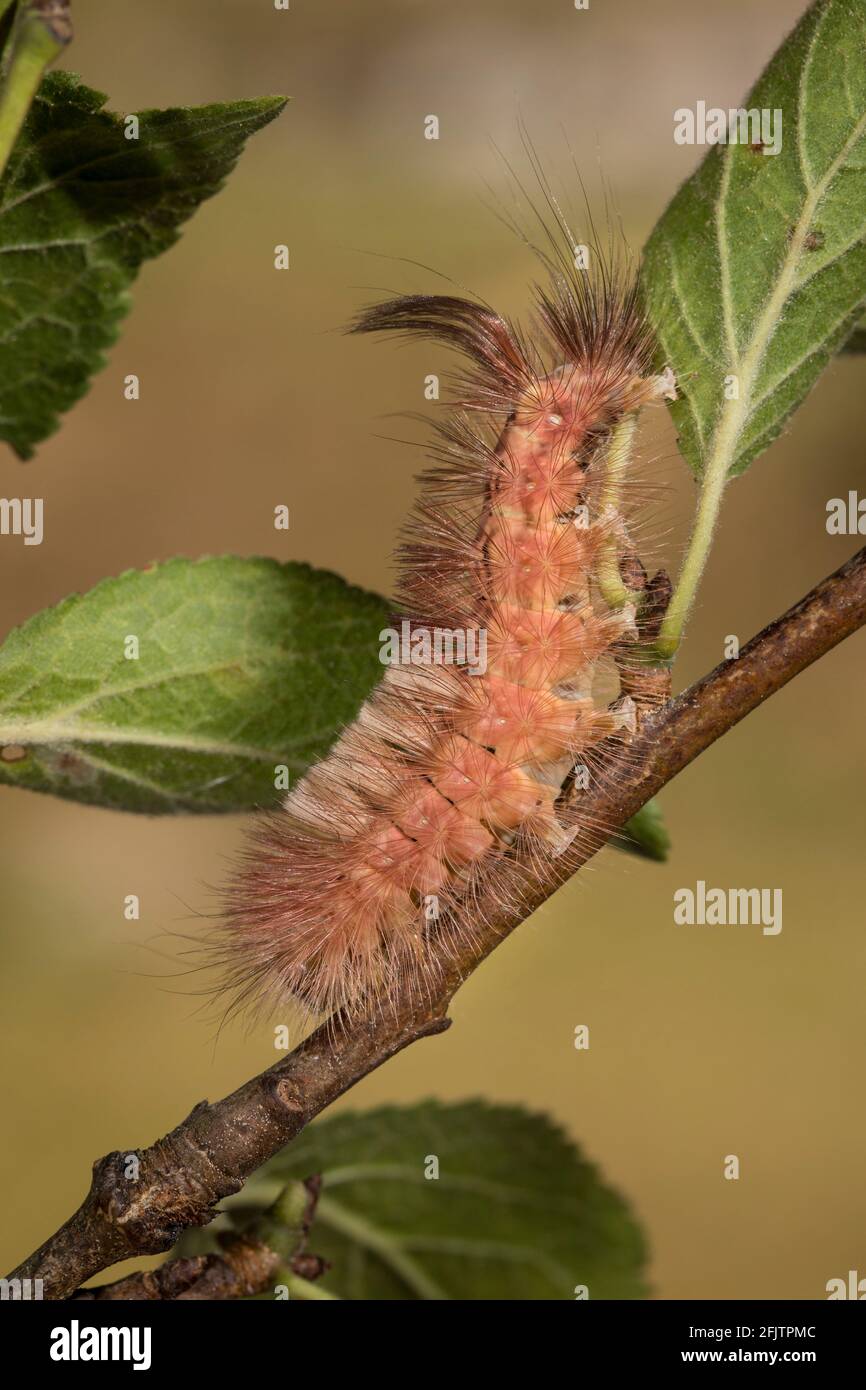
(704, 1042)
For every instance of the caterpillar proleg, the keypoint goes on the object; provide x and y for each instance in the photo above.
(519, 543)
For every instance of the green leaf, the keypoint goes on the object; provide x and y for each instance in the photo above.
(515, 1213)
(645, 834)
(243, 665)
(81, 206)
(757, 269)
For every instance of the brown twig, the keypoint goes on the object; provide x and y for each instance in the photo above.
(243, 1267)
(247, 1263)
(210, 1155)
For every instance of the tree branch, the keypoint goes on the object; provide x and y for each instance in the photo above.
(272, 1249)
(182, 1177)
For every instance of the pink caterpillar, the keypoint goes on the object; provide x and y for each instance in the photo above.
(377, 857)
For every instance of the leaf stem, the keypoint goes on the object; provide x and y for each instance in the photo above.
(712, 488)
(610, 583)
(290, 1207)
(305, 1289)
(4, 6)
(39, 35)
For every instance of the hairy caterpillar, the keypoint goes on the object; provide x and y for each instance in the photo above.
(450, 776)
